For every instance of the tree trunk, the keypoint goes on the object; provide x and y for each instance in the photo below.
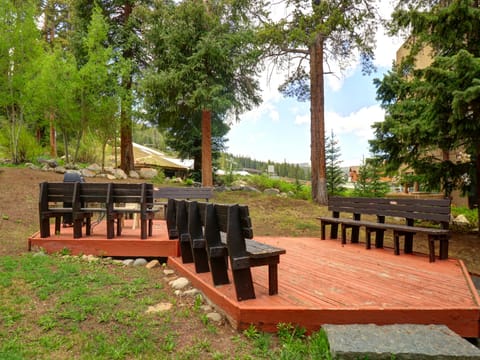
(207, 179)
(53, 140)
(127, 161)
(477, 180)
(317, 123)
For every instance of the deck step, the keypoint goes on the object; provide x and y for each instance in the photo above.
(403, 341)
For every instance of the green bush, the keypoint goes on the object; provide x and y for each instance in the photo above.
(27, 148)
(294, 189)
(470, 214)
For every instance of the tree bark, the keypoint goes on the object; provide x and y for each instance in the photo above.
(317, 123)
(207, 179)
(53, 140)
(477, 180)
(127, 161)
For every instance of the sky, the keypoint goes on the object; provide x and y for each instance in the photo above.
(279, 129)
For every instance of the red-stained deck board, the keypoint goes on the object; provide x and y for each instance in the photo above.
(320, 282)
(324, 282)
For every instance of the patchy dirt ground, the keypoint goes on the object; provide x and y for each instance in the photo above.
(19, 216)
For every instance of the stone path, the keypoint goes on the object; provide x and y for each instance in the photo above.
(403, 341)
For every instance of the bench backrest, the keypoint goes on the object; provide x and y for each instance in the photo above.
(416, 209)
(240, 215)
(95, 193)
(187, 193)
(53, 192)
(128, 193)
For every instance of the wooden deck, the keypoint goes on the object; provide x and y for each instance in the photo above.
(320, 282)
(128, 244)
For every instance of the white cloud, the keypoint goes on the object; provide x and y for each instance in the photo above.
(302, 119)
(357, 123)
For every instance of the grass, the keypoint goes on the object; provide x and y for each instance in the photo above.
(63, 307)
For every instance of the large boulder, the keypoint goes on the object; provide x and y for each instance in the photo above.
(148, 173)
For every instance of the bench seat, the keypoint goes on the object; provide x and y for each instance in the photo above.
(410, 209)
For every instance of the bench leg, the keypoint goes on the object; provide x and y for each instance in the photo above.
(379, 235)
(408, 243)
(143, 229)
(344, 234)
(200, 256)
(119, 224)
(45, 227)
(88, 226)
(242, 278)
(110, 227)
(368, 238)
(431, 249)
(58, 221)
(186, 249)
(444, 248)
(272, 279)
(355, 234)
(396, 243)
(150, 227)
(334, 231)
(322, 230)
(77, 228)
(218, 266)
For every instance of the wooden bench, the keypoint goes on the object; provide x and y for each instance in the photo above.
(141, 194)
(209, 251)
(432, 210)
(55, 201)
(80, 200)
(95, 198)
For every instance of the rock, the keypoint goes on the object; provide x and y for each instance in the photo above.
(120, 174)
(179, 283)
(206, 308)
(148, 173)
(92, 258)
(128, 262)
(109, 170)
(60, 170)
(140, 262)
(404, 341)
(111, 177)
(32, 166)
(271, 191)
(162, 307)
(95, 168)
(133, 174)
(153, 264)
(168, 272)
(214, 316)
(191, 292)
(461, 220)
(88, 173)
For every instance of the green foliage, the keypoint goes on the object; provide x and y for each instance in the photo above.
(26, 148)
(262, 182)
(434, 110)
(470, 214)
(335, 175)
(204, 59)
(369, 182)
